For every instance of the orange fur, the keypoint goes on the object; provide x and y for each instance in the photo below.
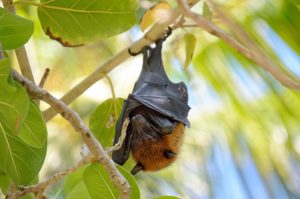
(150, 153)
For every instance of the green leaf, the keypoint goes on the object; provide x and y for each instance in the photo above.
(4, 73)
(166, 197)
(33, 130)
(19, 160)
(77, 22)
(14, 30)
(103, 119)
(190, 44)
(14, 101)
(79, 191)
(207, 12)
(4, 182)
(98, 182)
(100, 186)
(73, 179)
(14, 106)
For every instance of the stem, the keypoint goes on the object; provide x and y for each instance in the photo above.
(44, 78)
(111, 85)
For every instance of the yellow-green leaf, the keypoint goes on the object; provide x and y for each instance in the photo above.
(160, 12)
(190, 44)
(207, 12)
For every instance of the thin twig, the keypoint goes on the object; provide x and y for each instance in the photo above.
(121, 139)
(20, 52)
(40, 187)
(44, 78)
(113, 93)
(190, 26)
(256, 57)
(90, 140)
(43, 81)
(152, 35)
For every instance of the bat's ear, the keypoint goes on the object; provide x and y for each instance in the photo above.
(137, 168)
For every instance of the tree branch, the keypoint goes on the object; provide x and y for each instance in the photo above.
(152, 35)
(20, 52)
(257, 58)
(94, 146)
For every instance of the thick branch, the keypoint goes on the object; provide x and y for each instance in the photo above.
(20, 52)
(94, 146)
(257, 58)
(155, 33)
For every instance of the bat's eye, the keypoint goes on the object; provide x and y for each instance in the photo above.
(169, 154)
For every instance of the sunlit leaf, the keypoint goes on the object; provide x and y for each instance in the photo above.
(33, 130)
(190, 44)
(14, 30)
(103, 120)
(159, 13)
(19, 160)
(77, 22)
(206, 11)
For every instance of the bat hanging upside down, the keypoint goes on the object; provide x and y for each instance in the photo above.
(156, 139)
(157, 109)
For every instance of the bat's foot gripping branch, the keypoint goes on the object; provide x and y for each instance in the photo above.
(167, 34)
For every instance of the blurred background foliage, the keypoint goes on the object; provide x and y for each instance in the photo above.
(244, 139)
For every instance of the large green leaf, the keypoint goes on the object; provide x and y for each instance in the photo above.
(77, 22)
(102, 121)
(14, 30)
(19, 160)
(100, 186)
(33, 130)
